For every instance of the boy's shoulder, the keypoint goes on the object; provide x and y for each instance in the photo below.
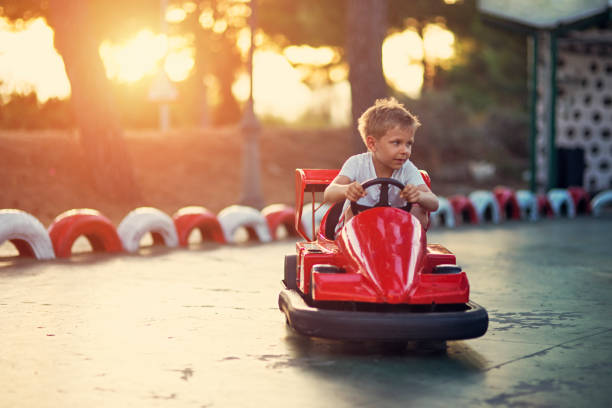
(356, 166)
(358, 160)
(359, 157)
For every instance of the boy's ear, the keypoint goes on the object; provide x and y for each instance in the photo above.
(371, 143)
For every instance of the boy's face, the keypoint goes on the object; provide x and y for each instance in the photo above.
(391, 151)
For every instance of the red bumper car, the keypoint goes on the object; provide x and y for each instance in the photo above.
(377, 278)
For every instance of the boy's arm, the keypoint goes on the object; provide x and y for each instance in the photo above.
(341, 188)
(421, 195)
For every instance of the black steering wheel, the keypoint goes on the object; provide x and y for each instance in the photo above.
(384, 195)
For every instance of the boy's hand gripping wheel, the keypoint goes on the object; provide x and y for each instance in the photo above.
(384, 195)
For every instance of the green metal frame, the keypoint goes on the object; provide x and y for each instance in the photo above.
(533, 131)
(552, 129)
(559, 30)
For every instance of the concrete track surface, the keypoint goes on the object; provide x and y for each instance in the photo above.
(201, 328)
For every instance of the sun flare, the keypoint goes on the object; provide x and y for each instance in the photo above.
(20, 71)
(137, 57)
(404, 52)
(279, 88)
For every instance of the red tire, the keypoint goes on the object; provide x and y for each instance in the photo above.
(189, 218)
(99, 231)
(508, 204)
(582, 201)
(277, 215)
(544, 207)
(464, 210)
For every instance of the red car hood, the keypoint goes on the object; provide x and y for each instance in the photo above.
(387, 247)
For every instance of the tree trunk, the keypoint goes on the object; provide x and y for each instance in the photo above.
(366, 30)
(77, 40)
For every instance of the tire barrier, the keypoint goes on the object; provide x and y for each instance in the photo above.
(239, 216)
(544, 207)
(582, 202)
(320, 211)
(562, 203)
(486, 206)
(601, 201)
(444, 215)
(508, 204)
(26, 233)
(190, 218)
(528, 204)
(277, 215)
(70, 225)
(31, 239)
(463, 209)
(147, 219)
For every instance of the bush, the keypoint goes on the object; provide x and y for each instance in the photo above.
(451, 137)
(25, 112)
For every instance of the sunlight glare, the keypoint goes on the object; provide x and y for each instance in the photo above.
(339, 73)
(20, 72)
(304, 54)
(402, 54)
(244, 41)
(277, 89)
(239, 10)
(206, 19)
(190, 7)
(178, 64)
(219, 27)
(175, 14)
(334, 100)
(439, 42)
(132, 60)
(141, 56)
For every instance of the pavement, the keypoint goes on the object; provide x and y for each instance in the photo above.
(200, 327)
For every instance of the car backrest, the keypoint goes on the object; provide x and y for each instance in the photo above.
(313, 181)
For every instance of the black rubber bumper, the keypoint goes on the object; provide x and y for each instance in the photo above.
(382, 326)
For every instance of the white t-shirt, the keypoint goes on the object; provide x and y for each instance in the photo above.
(360, 168)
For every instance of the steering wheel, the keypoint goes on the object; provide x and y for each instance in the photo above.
(384, 195)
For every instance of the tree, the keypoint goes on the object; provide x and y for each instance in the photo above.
(215, 40)
(366, 30)
(79, 28)
(101, 135)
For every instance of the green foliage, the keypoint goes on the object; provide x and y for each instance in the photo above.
(446, 127)
(451, 136)
(313, 22)
(490, 69)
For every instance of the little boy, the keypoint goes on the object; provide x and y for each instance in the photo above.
(387, 129)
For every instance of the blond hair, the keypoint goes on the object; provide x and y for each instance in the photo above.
(384, 115)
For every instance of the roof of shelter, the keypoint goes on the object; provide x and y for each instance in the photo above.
(543, 14)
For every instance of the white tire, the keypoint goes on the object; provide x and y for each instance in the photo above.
(601, 201)
(528, 203)
(559, 199)
(307, 217)
(20, 226)
(143, 220)
(240, 216)
(485, 203)
(444, 215)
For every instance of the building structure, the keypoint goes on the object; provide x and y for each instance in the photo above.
(570, 66)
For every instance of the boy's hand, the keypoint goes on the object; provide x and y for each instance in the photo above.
(355, 191)
(410, 193)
